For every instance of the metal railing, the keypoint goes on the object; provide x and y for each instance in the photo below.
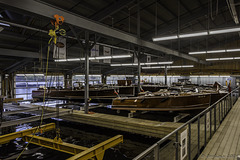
(189, 140)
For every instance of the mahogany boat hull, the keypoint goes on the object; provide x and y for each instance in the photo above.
(163, 103)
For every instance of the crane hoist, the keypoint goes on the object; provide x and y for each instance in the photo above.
(57, 32)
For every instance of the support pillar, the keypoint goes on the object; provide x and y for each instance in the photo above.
(11, 85)
(139, 71)
(6, 80)
(86, 106)
(68, 80)
(138, 52)
(104, 79)
(165, 74)
(1, 113)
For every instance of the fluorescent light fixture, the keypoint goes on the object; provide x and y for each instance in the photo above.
(222, 59)
(233, 50)
(228, 58)
(105, 57)
(165, 38)
(193, 34)
(155, 67)
(194, 76)
(221, 31)
(120, 56)
(187, 66)
(60, 60)
(4, 24)
(93, 58)
(197, 34)
(73, 59)
(216, 51)
(171, 62)
(199, 52)
(142, 64)
(212, 59)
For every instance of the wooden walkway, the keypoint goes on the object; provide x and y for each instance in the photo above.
(133, 125)
(225, 143)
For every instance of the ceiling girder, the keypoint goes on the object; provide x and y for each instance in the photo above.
(48, 11)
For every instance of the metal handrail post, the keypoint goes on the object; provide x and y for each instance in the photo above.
(215, 121)
(176, 145)
(189, 141)
(198, 135)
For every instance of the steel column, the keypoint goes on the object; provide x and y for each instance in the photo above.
(139, 71)
(86, 105)
(165, 74)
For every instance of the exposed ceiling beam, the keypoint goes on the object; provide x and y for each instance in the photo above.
(18, 53)
(17, 65)
(48, 11)
(233, 11)
(110, 10)
(184, 19)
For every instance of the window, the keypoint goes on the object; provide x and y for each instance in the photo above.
(112, 79)
(93, 79)
(24, 84)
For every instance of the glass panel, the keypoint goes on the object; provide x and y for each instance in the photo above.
(194, 139)
(21, 84)
(32, 84)
(21, 78)
(26, 83)
(168, 150)
(24, 96)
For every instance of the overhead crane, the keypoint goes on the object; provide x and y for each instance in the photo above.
(80, 153)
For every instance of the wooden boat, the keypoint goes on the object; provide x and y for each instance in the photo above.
(96, 94)
(163, 103)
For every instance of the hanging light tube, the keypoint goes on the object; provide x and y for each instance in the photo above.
(156, 67)
(197, 34)
(222, 59)
(193, 35)
(142, 64)
(93, 58)
(216, 51)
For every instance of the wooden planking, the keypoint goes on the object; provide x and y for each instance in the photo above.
(225, 142)
(132, 125)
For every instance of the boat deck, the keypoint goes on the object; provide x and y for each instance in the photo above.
(225, 143)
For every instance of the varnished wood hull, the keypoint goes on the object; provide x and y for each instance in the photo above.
(163, 103)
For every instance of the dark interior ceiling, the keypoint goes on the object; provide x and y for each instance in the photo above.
(157, 18)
